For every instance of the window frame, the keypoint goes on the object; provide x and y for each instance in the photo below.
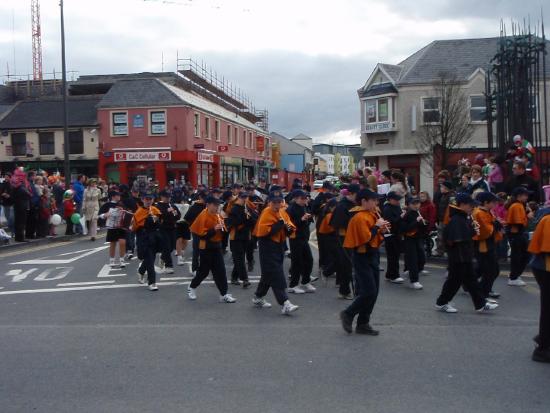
(424, 110)
(207, 127)
(390, 112)
(229, 135)
(114, 124)
(483, 108)
(237, 136)
(251, 139)
(24, 145)
(217, 131)
(197, 125)
(72, 132)
(151, 123)
(41, 144)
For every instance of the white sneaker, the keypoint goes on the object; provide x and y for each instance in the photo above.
(308, 288)
(227, 298)
(192, 293)
(416, 286)
(397, 280)
(112, 262)
(169, 270)
(518, 282)
(491, 300)
(288, 308)
(141, 277)
(153, 287)
(487, 307)
(129, 256)
(122, 263)
(446, 308)
(181, 261)
(296, 290)
(260, 302)
(405, 274)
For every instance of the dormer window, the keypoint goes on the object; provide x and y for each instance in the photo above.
(379, 115)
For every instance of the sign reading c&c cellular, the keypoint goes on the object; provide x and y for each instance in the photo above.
(142, 156)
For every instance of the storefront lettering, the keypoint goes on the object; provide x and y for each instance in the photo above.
(205, 157)
(142, 156)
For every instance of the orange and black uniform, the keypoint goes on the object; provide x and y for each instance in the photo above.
(393, 240)
(413, 241)
(327, 239)
(363, 238)
(339, 221)
(540, 248)
(190, 216)
(272, 230)
(148, 238)
(254, 204)
(486, 248)
(301, 258)
(210, 250)
(240, 226)
(516, 219)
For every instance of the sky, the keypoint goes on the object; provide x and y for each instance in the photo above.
(303, 60)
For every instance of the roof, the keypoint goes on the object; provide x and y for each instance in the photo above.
(288, 146)
(377, 90)
(48, 113)
(459, 57)
(130, 93)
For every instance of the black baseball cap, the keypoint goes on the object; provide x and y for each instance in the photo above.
(114, 193)
(484, 197)
(366, 194)
(298, 193)
(165, 194)
(521, 190)
(394, 195)
(147, 196)
(213, 200)
(413, 200)
(243, 195)
(464, 198)
(354, 189)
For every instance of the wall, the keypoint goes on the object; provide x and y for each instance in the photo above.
(292, 163)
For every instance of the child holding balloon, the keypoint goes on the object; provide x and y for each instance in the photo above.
(68, 211)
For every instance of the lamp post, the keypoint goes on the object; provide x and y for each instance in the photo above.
(67, 162)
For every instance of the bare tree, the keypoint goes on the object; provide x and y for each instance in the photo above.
(446, 122)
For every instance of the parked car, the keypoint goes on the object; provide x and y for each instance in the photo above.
(318, 184)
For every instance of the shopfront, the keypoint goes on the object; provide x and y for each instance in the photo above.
(230, 170)
(264, 170)
(205, 169)
(248, 170)
(178, 172)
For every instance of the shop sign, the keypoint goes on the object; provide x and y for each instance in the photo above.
(205, 157)
(142, 156)
(232, 161)
(223, 148)
(260, 143)
(138, 121)
(274, 176)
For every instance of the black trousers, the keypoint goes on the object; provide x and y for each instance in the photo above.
(238, 253)
(393, 251)
(366, 273)
(414, 257)
(32, 223)
(461, 273)
(69, 228)
(20, 222)
(328, 244)
(519, 257)
(543, 280)
(168, 244)
(250, 247)
(343, 268)
(211, 260)
(147, 247)
(195, 254)
(225, 240)
(487, 269)
(272, 256)
(301, 262)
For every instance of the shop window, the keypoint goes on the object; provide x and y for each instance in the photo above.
(197, 125)
(157, 122)
(217, 130)
(431, 112)
(120, 123)
(19, 144)
(229, 136)
(46, 143)
(207, 128)
(76, 142)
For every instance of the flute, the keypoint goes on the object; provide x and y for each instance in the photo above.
(221, 222)
(423, 220)
(387, 226)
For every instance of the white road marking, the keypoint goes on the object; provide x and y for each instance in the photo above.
(45, 275)
(106, 272)
(60, 261)
(18, 275)
(85, 283)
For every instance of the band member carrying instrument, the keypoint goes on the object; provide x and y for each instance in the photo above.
(393, 213)
(413, 227)
(254, 205)
(209, 228)
(272, 229)
(363, 238)
(146, 224)
(240, 224)
(192, 214)
(117, 226)
(170, 215)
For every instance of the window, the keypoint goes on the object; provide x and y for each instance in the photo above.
(229, 136)
(236, 136)
(251, 143)
(46, 143)
(371, 111)
(379, 114)
(197, 125)
(18, 144)
(76, 142)
(120, 123)
(244, 139)
(217, 130)
(157, 122)
(430, 110)
(207, 127)
(477, 109)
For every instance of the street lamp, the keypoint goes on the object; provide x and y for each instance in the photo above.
(67, 162)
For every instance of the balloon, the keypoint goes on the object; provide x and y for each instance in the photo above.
(55, 219)
(75, 218)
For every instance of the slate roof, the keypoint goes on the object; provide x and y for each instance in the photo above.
(131, 93)
(461, 57)
(287, 146)
(377, 90)
(48, 113)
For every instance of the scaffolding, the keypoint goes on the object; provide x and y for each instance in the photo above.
(206, 82)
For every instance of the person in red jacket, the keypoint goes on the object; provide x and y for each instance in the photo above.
(68, 210)
(429, 213)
